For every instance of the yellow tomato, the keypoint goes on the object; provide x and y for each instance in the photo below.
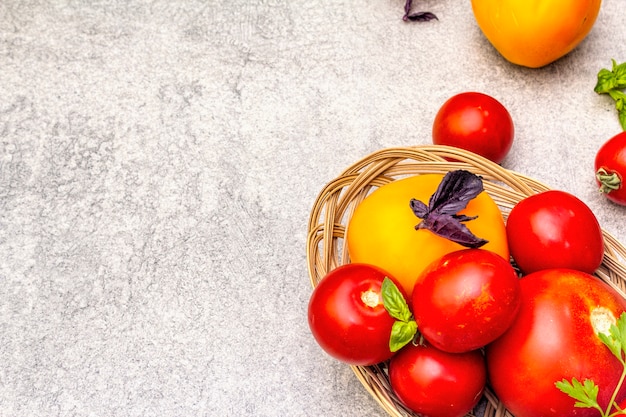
(534, 33)
(381, 231)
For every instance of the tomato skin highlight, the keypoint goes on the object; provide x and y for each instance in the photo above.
(477, 123)
(611, 157)
(382, 231)
(551, 339)
(534, 33)
(436, 383)
(554, 229)
(347, 317)
(466, 300)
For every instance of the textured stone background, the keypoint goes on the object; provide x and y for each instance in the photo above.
(158, 162)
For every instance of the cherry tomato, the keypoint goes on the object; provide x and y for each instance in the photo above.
(465, 300)
(347, 316)
(436, 383)
(554, 229)
(553, 338)
(534, 33)
(382, 231)
(610, 167)
(475, 122)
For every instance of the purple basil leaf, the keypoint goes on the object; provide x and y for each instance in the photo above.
(416, 17)
(456, 190)
(441, 216)
(419, 209)
(447, 226)
(463, 217)
(421, 17)
(407, 8)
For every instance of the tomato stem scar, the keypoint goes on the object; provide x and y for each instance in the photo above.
(601, 320)
(370, 298)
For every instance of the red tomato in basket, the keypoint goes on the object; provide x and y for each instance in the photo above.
(554, 229)
(347, 316)
(436, 383)
(610, 165)
(466, 299)
(553, 338)
(475, 122)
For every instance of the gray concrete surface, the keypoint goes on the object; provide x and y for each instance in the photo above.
(159, 160)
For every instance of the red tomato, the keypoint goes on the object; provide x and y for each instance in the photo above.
(347, 316)
(553, 338)
(475, 122)
(554, 229)
(610, 167)
(465, 300)
(435, 383)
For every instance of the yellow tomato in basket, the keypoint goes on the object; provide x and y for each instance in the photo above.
(534, 33)
(382, 230)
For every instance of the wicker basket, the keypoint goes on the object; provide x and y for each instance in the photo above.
(335, 204)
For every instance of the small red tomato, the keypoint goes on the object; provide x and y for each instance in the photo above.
(554, 337)
(554, 229)
(436, 383)
(347, 316)
(465, 300)
(610, 165)
(475, 122)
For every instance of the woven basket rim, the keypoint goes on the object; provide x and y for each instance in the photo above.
(336, 202)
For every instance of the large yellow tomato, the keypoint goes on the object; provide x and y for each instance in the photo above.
(381, 231)
(534, 33)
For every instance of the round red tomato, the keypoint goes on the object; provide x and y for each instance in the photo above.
(610, 165)
(436, 383)
(465, 300)
(347, 316)
(475, 122)
(554, 229)
(553, 338)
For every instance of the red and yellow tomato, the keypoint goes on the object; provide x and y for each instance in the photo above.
(534, 33)
(554, 337)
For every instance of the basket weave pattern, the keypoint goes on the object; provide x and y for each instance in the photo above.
(335, 204)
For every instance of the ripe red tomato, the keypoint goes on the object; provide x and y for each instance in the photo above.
(610, 165)
(465, 300)
(553, 338)
(475, 122)
(554, 229)
(347, 316)
(436, 383)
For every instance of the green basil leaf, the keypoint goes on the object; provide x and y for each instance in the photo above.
(394, 301)
(401, 334)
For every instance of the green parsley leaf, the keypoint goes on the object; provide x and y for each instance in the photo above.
(585, 394)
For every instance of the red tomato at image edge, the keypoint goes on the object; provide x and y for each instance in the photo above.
(347, 317)
(436, 383)
(554, 229)
(610, 166)
(466, 299)
(553, 338)
(477, 123)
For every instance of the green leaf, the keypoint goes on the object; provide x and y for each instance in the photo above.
(401, 334)
(606, 81)
(585, 394)
(614, 345)
(622, 118)
(616, 339)
(611, 82)
(394, 301)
